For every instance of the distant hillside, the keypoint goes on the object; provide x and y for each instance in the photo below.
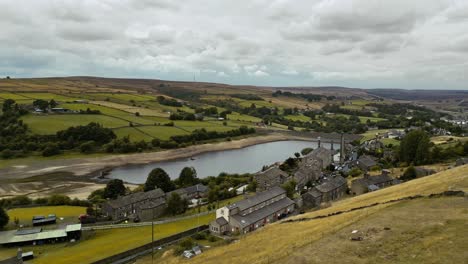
(424, 230)
(99, 84)
(401, 94)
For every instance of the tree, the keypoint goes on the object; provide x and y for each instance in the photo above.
(176, 205)
(114, 188)
(414, 147)
(409, 174)
(87, 147)
(41, 104)
(4, 218)
(158, 178)
(188, 177)
(297, 154)
(306, 151)
(50, 150)
(290, 188)
(52, 103)
(252, 186)
(7, 105)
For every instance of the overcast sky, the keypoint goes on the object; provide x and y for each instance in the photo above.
(413, 44)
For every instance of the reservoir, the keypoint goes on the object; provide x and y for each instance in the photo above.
(245, 160)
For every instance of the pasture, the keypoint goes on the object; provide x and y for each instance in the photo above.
(50, 124)
(24, 215)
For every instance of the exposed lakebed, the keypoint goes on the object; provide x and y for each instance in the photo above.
(245, 160)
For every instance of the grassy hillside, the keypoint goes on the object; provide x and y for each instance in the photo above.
(434, 239)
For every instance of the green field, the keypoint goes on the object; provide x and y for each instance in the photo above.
(241, 117)
(162, 132)
(13, 96)
(25, 215)
(50, 124)
(111, 112)
(48, 96)
(133, 133)
(302, 118)
(119, 97)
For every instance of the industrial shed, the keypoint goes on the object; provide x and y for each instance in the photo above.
(39, 236)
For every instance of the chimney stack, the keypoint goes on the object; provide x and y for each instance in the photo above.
(318, 141)
(342, 149)
(332, 148)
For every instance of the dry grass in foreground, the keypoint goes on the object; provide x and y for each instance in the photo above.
(281, 242)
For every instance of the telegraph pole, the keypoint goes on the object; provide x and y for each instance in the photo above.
(152, 237)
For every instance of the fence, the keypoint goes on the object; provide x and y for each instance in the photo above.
(136, 252)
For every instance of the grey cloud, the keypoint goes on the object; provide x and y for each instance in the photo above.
(382, 44)
(390, 42)
(86, 32)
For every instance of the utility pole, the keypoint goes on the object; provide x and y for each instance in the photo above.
(152, 237)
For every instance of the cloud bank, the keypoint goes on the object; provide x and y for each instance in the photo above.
(419, 44)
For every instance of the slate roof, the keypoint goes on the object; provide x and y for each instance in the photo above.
(153, 204)
(374, 180)
(258, 198)
(262, 213)
(272, 172)
(180, 192)
(135, 198)
(196, 188)
(331, 184)
(320, 152)
(221, 221)
(367, 161)
(313, 193)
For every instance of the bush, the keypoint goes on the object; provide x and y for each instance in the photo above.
(200, 236)
(50, 150)
(87, 147)
(4, 218)
(354, 172)
(58, 199)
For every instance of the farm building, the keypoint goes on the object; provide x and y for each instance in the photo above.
(252, 213)
(141, 205)
(330, 190)
(39, 236)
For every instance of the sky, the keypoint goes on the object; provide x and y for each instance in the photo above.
(410, 44)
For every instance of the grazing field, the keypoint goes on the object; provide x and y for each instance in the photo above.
(133, 109)
(241, 117)
(435, 239)
(13, 96)
(50, 124)
(302, 118)
(111, 112)
(48, 96)
(133, 133)
(124, 97)
(25, 215)
(162, 132)
(104, 243)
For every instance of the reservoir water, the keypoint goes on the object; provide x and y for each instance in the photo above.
(245, 160)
